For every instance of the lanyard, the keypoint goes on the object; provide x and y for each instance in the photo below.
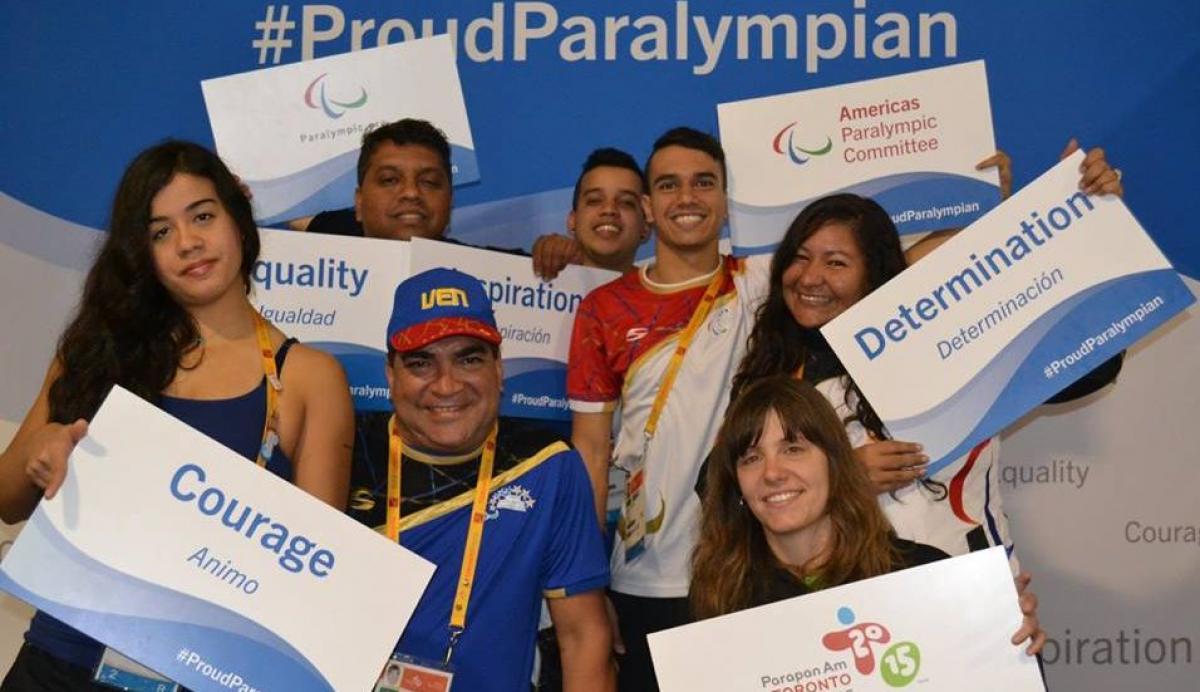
(470, 559)
(685, 341)
(632, 526)
(269, 440)
(274, 386)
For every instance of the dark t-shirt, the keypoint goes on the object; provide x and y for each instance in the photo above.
(342, 222)
(336, 222)
(425, 485)
(780, 584)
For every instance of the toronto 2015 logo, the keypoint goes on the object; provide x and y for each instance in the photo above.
(315, 97)
(900, 662)
(796, 153)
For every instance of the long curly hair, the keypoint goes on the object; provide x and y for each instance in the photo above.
(732, 560)
(128, 329)
(777, 344)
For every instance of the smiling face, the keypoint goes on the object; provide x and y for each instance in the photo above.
(195, 242)
(785, 485)
(827, 275)
(608, 219)
(687, 202)
(405, 193)
(446, 394)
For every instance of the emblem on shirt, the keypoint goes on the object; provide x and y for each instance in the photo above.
(511, 497)
(719, 322)
(653, 524)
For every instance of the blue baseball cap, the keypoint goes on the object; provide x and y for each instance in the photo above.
(439, 303)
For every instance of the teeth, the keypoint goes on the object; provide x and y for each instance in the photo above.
(607, 228)
(778, 498)
(814, 300)
(687, 219)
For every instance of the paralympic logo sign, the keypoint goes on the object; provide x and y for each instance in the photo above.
(797, 154)
(332, 107)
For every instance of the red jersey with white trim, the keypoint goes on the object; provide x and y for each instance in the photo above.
(969, 517)
(625, 334)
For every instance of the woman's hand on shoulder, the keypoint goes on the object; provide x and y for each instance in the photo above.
(1031, 630)
(48, 450)
(891, 464)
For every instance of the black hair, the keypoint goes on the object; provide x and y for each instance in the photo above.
(128, 329)
(690, 138)
(403, 132)
(777, 344)
(611, 157)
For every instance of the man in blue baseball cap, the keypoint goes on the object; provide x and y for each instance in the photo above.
(505, 511)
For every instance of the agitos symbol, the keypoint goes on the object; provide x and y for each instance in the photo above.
(794, 151)
(328, 104)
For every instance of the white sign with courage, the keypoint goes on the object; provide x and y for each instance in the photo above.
(293, 132)
(198, 564)
(1006, 314)
(535, 318)
(910, 142)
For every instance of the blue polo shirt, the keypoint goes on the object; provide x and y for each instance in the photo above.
(540, 539)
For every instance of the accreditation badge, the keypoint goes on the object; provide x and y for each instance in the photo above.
(405, 673)
(633, 515)
(123, 673)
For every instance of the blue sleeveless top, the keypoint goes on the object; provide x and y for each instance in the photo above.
(236, 423)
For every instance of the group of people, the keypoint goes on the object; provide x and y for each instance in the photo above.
(693, 356)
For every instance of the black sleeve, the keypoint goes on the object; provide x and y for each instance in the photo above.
(702, 477)
(336, 222)
(1091, 382)
(504, 250)
(913, 554)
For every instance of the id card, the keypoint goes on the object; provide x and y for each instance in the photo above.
(410, 674)
(123, 673)
(633, 519)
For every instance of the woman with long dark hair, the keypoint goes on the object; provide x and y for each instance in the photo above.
(830, 526)
(165, 314)
(838, 250)
(787, 510)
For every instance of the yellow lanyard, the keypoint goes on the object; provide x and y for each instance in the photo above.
(685, 340)
(274, 386)
(470, 559)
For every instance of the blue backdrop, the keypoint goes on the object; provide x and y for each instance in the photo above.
(87, 84)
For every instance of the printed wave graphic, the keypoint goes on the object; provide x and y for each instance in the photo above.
(330, 185)
(1014, 383)
(364, 368)
(221, 637)
(757, 229)
(31, 231)
(542, 384)
(505, 220)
